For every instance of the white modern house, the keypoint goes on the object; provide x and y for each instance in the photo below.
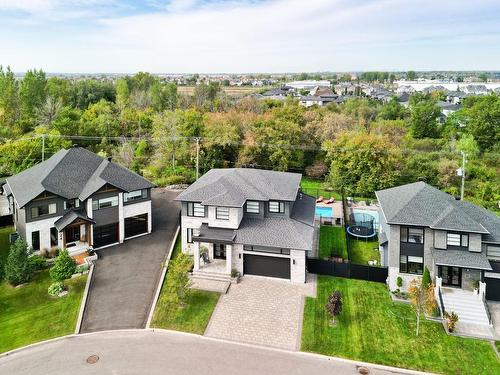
(79, 201)
(250, 221)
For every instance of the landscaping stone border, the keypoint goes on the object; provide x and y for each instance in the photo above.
(162, 277)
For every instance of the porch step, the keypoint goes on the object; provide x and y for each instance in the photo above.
(210, 276)
(469, 307)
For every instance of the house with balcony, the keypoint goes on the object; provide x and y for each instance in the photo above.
(457, 241)
(79, 201)
(252, 221)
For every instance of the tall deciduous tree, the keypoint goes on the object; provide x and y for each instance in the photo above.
(33, 95)
(424, 114)
(482, 115)
(9, 101)
(362, 163)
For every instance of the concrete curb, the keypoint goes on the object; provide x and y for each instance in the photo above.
(371, 366)
(84, 300)
(162, 277)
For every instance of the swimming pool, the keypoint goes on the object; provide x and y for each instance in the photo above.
(322, 211)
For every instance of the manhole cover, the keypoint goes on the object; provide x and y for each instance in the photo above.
(363, 370)
(92, 359)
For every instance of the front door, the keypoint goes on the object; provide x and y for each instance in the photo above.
(73, 234)
(452, 276)
(219, 251)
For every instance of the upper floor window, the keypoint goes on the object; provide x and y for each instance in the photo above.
(98, 204)
(276, 207)
(71, 203)
(134, 195)
(412, 235)
(195, 209)
(456, 239)
(222, 213)
(253, 207)
(45, 209)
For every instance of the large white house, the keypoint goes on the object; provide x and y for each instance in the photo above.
(252, 221)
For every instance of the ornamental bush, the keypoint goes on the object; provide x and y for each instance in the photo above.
(56, 288)
(18, 269)
(64, 267)
(38, 262)
(426, 278)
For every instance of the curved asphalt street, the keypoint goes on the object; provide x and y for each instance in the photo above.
(164, 352)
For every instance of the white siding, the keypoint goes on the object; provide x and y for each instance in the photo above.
(43, 226)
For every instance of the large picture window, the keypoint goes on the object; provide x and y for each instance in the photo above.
(276, 207)
(457, 239)
(98, 204)
(135, 195)
(253, 207)
(411, 264)
(43, 210)
(222, 213)
(412, 235)
(195, 209)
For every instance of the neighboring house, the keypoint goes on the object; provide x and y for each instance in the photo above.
(457, 241)
(308, 85)
(310, 100)
(249, 220)
(78, 200)
(447, 109)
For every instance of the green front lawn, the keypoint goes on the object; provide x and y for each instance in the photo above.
(4, 243)
(372, 328)
(332, 242)
(28, 314)
(363, 251)
(193, 317)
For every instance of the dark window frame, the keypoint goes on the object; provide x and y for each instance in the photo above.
(258, 249)
(406, 267)
(281, 207)
(404, 235)
(39, 207)
(37, 247)
(462, 236)
(128, 199)
(52, 244)
(96, 202)
(191, 212)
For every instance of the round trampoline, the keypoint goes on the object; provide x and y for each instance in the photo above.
(362, 225)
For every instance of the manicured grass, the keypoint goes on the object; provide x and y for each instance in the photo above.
(194, 316)
(372, 328)
(363, 251)
(332, 242)
(28, 314)
(317, 188)
(4, 243)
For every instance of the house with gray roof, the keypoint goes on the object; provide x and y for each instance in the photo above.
(252, 221)
(79, 201)
(457, 241)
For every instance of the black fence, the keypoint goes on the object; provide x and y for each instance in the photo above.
(347, 270)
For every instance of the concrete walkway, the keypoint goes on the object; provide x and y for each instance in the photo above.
(163, 352)
(126, 276)
(261, 311)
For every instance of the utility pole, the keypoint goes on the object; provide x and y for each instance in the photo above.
(197, 157)
(43, 147)
(463, 175)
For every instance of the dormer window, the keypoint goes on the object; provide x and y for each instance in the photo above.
(253, 207)
(276, 207)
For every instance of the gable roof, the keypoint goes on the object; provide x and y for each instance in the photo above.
(234, 186)
(72, 173)
(423, 205)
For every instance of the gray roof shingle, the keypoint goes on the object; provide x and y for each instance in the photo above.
(234, 186)
(70, 217)
(423, 205)
(73, 173)
(461, 258)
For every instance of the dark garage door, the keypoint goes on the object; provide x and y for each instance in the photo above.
(492, 289)
(136, 225)
(266, 266)
(105, 235)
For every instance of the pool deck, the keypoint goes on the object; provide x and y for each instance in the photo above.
(337, 212)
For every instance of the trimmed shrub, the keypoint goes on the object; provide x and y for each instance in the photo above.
(426, 278)
(64, 266)
(399, 281)
(56, 288)
(82, 268)
(38, 262)
(53, 252)
(18, 269)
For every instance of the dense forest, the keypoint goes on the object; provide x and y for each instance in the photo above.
(357, 147)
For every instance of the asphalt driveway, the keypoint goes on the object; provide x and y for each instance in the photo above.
(125, 276)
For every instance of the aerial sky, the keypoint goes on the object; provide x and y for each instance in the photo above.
(238, 36)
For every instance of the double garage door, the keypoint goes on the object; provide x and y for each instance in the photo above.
(109, 234)
(266, 266)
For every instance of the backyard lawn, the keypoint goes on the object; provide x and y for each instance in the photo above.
(29, 314)
(317, 188)
(4, 243)
(363, 251)
(332, 242)
(193, 317)
(374, 329)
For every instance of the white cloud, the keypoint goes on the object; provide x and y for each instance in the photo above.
(278, 35)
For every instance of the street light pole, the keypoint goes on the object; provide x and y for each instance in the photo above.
(463, 175)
